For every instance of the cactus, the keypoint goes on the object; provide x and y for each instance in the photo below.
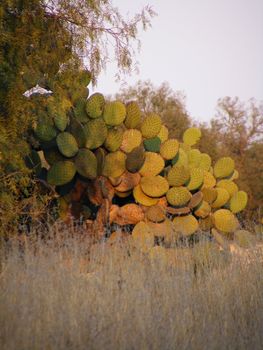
(95, 105)
(151, 125)
(141, 198)
(186, 225)
(178, 175)
(114, 139)
(196, 179)
(143, 237)
(163, 134)
(225, 221)
(153, 164)
(67, 144)
(154, 186)
(61, 173)
(152, 145)
(132, 138)
(192, 136)
(133, 115)
(86, 164)
(169, 149)
(224, 167)
(228, 185)
(114, 164)
(95, 133)
(238, 202)
(221, 198)
(135, 159)
(178, 196)
(114, 113)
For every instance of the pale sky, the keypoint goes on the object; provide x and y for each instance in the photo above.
(206, 48)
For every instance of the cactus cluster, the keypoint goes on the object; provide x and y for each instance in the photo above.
(97, 150)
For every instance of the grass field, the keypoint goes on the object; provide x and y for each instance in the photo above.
(67, 294)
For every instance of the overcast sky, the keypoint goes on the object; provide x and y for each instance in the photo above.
(206, 48)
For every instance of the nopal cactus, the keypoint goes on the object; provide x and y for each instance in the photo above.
(110, 151)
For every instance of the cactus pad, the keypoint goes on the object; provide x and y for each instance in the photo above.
(86, 164)
(221, 199)
(238, 202)
(96, 133)
(205, 162)
(80, 111)
(95, 105)
(192, 136)
(52, 155)
(178, 196)
(61, 173)
(163, 134)
(181, 158)
(45, 131)
(203, 210)
(196, 179)
(224, 167)
(194, 158)
(151, 125)
(178, 175)
(155, 214)
(152, 165)
(210, 194)
(154, 186)
(169, 149)
(114, 139)
(141, 198)
(135, 159)
(67, 144)
(143, 237)
(114, 113)
(114, 164)
(128, 181)
(209, 180)
(152, 145)
(225, 221)
(186, 225)
(133, 115)
(132, 138)
(228, 185)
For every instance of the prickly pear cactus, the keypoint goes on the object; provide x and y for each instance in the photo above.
(98, 151)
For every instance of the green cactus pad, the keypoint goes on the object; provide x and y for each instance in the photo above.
(152, 145)
(224, 167)
(114, 164)
(80, 111)
(61, 173)
(67, 144)
(169, 149)
(53, 156)
(225, 221)
(86, 164)
(238, 202)
(133, 115)
(178, 196)
(78, 131)
(152, 165)
(154, 186)
(135, 159)
(178, 175)
(95, 105)
(114, 113)
(132, 138)
(151, 125)
(45, 131)
(96, 133)
(114, 139)
(192, 136)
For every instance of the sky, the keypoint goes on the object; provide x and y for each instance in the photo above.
(207, 49)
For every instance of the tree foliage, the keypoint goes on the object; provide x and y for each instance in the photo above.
(161, 100)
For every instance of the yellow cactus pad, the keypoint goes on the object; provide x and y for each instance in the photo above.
(163, 134)
(178, 196)
(154, 186)
(194, 158)
(224, 167)
(178, 175)
(209, 180)
(187, 225)
(222, 197)
(225, 221)
(132, 138)
(153, 164)
(141, 198)
(169, 149)
(151, 125)
(203, 211)
(238, 202)
(196, 179)
(205, 162)
(192, 136)
(210, 194)
(228, 185)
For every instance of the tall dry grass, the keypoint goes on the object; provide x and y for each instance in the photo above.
(67, 294)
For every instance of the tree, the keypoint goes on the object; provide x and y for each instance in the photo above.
(237, 130)
(161, 100)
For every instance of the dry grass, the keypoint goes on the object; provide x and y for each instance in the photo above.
(68, 296)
